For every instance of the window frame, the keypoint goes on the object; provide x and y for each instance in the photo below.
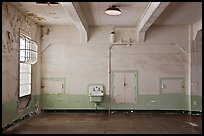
(26, 35)
(30, 57)
(28, 83)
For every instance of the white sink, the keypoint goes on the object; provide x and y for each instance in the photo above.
(95, 98)
(96, 93)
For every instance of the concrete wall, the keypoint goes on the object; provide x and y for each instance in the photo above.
(12, 21)
(195, 28)
(69, 65)
(162, 56)
(196, 72)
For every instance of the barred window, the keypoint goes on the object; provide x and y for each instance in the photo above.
(28, 50)
(25, 79)
(28, 56)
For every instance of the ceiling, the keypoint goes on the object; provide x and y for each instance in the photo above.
(131, 13)
(180, 13)
(176, 13)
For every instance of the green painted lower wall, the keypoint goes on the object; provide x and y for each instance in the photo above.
(162, 101)
(63, 101)
(143, 102)
(10, 111)
(196, 103)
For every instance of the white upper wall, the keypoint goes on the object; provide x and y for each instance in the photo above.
(63, 55)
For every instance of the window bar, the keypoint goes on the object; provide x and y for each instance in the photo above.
(24, 49)
(23, 38)
(29, 47)
(30, 50)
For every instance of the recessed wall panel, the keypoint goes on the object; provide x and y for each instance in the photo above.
(53, 86)
(172, 85)
(124, 87)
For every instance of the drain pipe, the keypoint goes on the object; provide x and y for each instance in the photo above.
(109, 71)
(109, 75)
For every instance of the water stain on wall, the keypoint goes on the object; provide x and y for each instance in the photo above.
(35, 16)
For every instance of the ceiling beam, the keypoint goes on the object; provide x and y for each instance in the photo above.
(74, 11)
(153, 11)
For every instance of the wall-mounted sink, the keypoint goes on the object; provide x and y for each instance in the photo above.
(95, 98)
(96, 93)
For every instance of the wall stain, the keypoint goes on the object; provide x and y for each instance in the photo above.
(35, 16)
(9, 41)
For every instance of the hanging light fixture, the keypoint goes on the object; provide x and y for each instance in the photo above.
(113, 11)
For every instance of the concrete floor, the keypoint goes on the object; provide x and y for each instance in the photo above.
(104, 123)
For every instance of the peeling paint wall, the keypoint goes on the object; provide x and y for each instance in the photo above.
(12, 21)
(161, 55)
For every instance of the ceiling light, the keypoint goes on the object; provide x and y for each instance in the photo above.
(47, 2)
(113, 11)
